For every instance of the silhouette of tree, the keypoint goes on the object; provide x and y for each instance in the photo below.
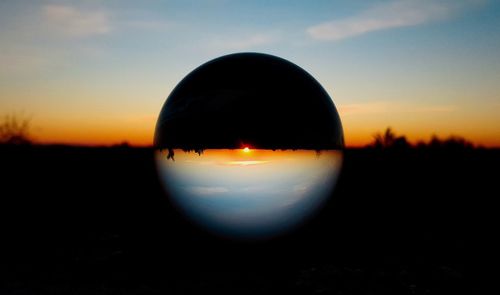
(14, 130)
(453, 142)
(389, 139)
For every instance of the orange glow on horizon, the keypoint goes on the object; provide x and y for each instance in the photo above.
(96, 138)
(108, 133)
(146, 140)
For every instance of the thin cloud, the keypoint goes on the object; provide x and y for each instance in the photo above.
(385, 16)
(207, 190)
(71, 21)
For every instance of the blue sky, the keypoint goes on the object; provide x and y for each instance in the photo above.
(99, 71)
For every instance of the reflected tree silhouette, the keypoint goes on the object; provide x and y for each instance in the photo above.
(171, 152)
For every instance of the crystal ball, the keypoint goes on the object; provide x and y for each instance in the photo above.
(248, 145)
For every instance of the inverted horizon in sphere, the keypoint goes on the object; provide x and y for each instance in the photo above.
(232, 193)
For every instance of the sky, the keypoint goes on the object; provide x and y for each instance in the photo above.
(98, 72)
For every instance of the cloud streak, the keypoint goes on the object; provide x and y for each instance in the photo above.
(73, 22)
(395, 14)
(207, 190)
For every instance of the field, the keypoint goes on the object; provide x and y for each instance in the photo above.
(78, 220)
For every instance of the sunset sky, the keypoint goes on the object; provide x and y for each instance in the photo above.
(98, 72)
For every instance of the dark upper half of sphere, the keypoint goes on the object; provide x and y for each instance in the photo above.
(249, 99)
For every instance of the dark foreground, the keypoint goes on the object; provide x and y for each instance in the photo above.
(95, 221)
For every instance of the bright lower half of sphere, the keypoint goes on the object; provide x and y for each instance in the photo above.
(249, 193)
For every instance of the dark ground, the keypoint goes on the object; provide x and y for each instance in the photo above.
(95, 221)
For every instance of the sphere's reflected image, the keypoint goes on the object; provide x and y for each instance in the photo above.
(248, 145)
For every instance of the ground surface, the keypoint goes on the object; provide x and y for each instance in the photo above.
(95, 221)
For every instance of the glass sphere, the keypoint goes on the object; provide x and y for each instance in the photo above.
(248, 145)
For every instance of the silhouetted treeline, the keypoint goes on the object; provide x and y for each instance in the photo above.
(389, 140)
(15, 130)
